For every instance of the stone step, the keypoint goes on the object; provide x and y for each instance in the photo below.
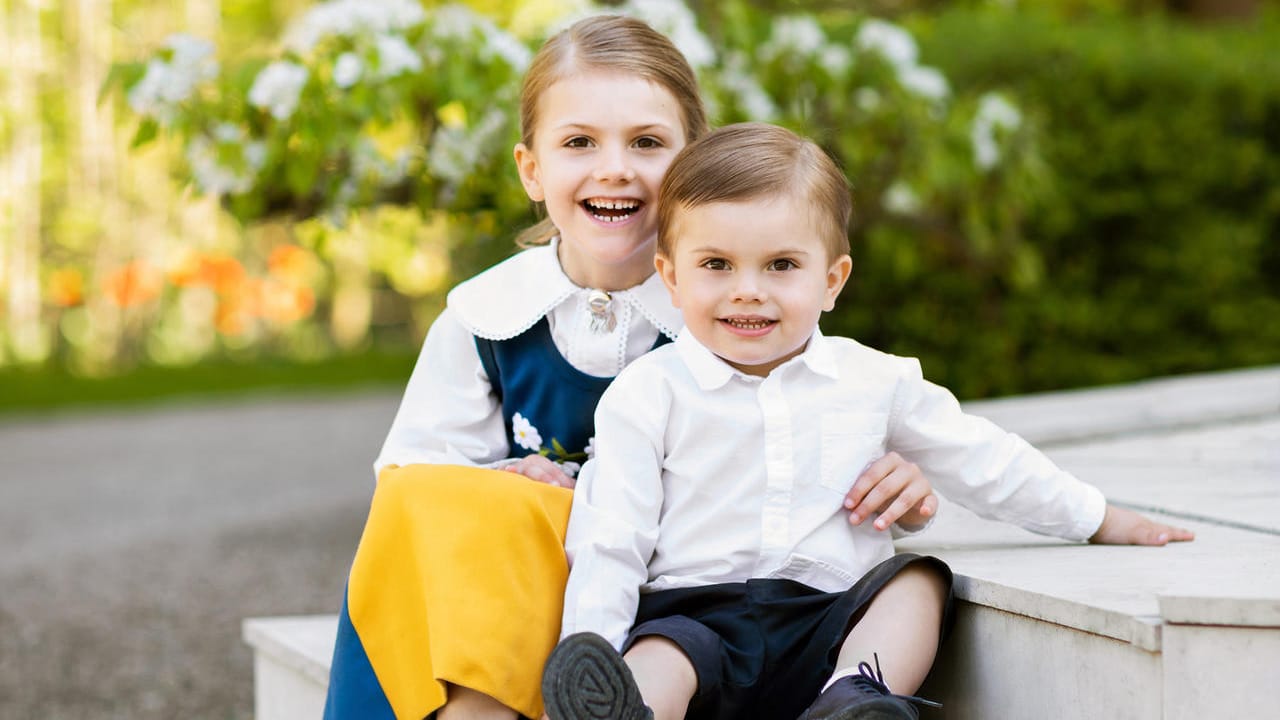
(1052, 629)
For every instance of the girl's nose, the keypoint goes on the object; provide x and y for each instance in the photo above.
(615, 166)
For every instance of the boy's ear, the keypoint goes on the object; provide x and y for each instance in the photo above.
(666, 268)
(837, 275)
(527, 166)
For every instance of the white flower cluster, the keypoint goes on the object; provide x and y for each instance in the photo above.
(457, 150)
(995, 113)
(737, 78)
(675, 20)
(895, 45)
(278, 87)
(802, 36)
(350, 18)
(211, 175)
(167, 83)
(461, 23)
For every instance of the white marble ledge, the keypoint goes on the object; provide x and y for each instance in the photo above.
(301, 643)
(1179, 401)
(1257, 612)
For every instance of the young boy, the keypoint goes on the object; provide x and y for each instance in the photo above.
(718, 537)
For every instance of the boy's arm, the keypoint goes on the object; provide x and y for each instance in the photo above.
(613, 526)
(1000, 476)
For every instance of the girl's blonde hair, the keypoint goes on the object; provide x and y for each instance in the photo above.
(750, 161)
(609, 43)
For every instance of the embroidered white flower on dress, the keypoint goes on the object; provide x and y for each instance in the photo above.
(525, 434)
(590, 450)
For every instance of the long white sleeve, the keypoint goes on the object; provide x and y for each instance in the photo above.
(994, 473)
(613, 526)
(448, 413)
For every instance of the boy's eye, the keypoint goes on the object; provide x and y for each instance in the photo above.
(715, 264)
(783, 264)
(578, 141)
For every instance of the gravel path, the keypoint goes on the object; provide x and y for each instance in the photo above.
(135, 543)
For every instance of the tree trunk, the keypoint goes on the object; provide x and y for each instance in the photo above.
(27, 340)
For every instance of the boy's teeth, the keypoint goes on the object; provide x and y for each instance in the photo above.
(749, 324)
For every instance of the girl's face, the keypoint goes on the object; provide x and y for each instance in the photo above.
(602, 143)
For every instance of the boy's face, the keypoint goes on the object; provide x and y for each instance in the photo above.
(751, 279)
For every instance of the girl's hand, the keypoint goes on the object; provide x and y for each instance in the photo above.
(540, 469)
(1126, 527)
(894, 488)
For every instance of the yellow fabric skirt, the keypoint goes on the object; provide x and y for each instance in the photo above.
(459, 578)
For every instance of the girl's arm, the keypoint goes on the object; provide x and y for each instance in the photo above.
(448, 414)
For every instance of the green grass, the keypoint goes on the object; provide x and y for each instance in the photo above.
(36, 391)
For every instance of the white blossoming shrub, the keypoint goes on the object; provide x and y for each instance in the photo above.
(378, 103)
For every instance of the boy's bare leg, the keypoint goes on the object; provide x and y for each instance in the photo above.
(901, 626)
(665, 676)
(467, 704)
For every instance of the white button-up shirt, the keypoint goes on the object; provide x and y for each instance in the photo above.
(704, 475)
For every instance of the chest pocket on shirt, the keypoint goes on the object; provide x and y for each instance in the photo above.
(849, 442)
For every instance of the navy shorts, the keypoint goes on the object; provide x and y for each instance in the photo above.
(764, 648)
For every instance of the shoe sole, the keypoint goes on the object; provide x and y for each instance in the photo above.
(586, 679)
(874, 710)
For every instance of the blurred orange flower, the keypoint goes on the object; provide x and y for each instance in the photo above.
(66, 287)
(132, 284)
(284, 303)
(219, 271)
(291, 262)
(236, 310)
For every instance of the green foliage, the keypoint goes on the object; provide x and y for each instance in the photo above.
(1161, 247)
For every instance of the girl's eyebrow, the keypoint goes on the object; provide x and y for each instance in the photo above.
(651, 127)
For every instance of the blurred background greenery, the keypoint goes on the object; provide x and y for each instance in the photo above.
(220, 194)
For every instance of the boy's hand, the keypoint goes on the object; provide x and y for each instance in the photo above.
(894, 488)
(536, 467)
(1126, 527)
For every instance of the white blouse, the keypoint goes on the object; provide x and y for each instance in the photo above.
(448, 413)
(705, 475)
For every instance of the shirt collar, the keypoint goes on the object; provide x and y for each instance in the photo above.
(510, 297)
(711, 372)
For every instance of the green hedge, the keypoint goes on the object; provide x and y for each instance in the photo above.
(1159, 245)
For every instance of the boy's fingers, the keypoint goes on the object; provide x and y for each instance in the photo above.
(870, 478)
(899, 507)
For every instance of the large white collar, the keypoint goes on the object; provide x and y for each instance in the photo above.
(510, 297)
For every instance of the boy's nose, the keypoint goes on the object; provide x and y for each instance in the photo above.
(748, 288)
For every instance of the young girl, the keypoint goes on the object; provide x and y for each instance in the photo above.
(454, 598)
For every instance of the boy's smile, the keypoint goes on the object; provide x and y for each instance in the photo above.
(751, 279)
(601, 145)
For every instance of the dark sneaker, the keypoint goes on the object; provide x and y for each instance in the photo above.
(863, 697)
(586, 679)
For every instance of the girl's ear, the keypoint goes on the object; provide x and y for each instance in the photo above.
(837, 275)
(527, 166)
(666, 268)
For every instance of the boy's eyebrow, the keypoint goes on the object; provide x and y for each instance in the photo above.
(713, 250)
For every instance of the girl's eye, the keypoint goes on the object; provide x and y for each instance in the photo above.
(715, 264)
(648, 143)
(578, 142)
(780, 265)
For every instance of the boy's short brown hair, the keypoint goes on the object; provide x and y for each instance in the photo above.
(749, 161)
